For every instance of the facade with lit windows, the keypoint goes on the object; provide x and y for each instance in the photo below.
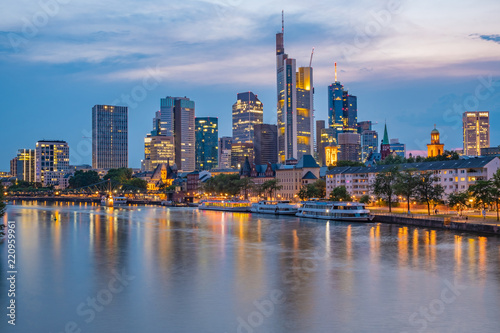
(248, 111)
(52, 162)
(207, 142)
(476, 132)
(109, 137)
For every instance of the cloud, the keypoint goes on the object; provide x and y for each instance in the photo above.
(493, 38)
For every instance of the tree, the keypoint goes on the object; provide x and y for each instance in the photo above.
(383, 187)
(405, 185)
(271, 186)
(391, 159)
(365, 199)
(340, 194)
(495, 183)
(459, 200)
(2, 202)
(483, 192)
(245, 184)
(427, 191)
(135, 184)
(83, 178)
(349, 164)
(320, 186)
(120, 175)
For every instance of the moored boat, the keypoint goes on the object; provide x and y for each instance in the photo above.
(225, 205)
(335, 210)
(275, 207)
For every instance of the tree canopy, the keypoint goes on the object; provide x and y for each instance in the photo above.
(340, 193)
(83, 178)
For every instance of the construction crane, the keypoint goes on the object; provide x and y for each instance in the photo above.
(311, 61)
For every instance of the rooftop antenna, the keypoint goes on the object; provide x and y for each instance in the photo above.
(282, 21)
(311, 61)
(335, 72)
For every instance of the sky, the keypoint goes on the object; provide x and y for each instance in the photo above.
(412, 64)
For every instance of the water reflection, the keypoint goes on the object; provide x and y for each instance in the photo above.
(335, 276)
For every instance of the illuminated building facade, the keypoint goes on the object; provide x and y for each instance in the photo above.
(25, 168)
(52, 162)
(225, 144)
(207, 142)
(239, 152)
(342, 109)
(476, 132)
(248, 111)
(161, 150)
(184, 134)
(327, 139)
(349, 147)
(266, 144)
(369, 144)
(320, 124)
(295, 105)
(109, 137)
(436, 148)
(331, 155)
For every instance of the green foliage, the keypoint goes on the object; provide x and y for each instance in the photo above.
(483, 193)
(427, 191)
(271, 186)
(347, 164)
(495, 183)
(365, 199)
(245, 184)
(459, 199)
(314, 190)
(406, 184)
(383, 187)
(340, 194)
(83, 178)
(391, 159)
(446, 156)
(120, 175)
(223, 184)
(135, 184)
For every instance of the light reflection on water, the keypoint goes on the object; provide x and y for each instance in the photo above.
(199, 271)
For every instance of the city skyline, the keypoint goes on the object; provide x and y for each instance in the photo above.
(384, 76)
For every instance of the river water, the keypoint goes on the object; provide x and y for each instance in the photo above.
(84, 268)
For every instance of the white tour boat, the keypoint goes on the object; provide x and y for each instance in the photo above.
(275, 207)
(225, 205)
(335, 210)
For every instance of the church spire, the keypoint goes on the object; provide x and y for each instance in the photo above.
(386, 136)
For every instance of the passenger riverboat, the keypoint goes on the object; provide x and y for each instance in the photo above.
(335, 210)
(225, 205)
(275, 207)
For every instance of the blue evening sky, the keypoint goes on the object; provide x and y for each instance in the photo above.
(411, 63)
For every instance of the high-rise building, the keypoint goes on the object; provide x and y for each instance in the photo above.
(320, 124)
(239, 152)
(476, 132)
(25, 169)
(295, 105)
(248, 111)
(52, 162)
(350, 147)
(13, 167)
(327, 139)
(109, 137)
(342, 108)
(207, 142)
(184, 134)
(364, 126)
(225, 144)
(436, 148)
(398, 148)
(158, 149)
(266, 144)
(369, 144)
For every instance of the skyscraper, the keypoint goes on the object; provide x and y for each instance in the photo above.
(184, 134)
(369, 139)
(295, 105)
(476, 132)
(350, 147)
(342, 108)
(266, 144)
(207, 141)
(320, 124)
(248, 111)
(158, 149)
(25, 169)
(109, 137)
(398, 148)
(225, 144)
(328, 139)
(52, 161)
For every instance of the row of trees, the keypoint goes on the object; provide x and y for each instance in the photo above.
(410, 184)
(232, 185)
(483, 194)
(122, 176)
